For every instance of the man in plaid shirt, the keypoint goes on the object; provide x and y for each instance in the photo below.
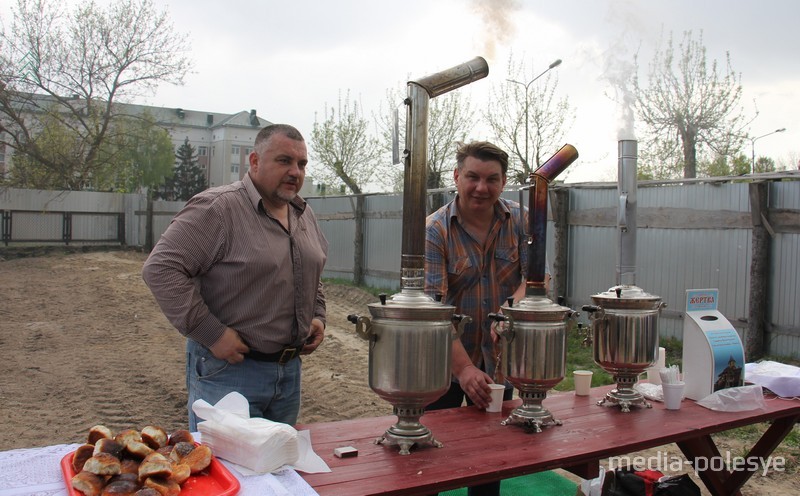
(476, 257)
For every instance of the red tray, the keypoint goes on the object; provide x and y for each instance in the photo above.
(216, 480)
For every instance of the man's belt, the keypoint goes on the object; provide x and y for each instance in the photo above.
(282, 357)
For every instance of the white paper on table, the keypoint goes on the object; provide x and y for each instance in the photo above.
(780, 378)
(240, 439)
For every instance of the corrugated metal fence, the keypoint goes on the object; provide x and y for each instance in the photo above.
(691, 234)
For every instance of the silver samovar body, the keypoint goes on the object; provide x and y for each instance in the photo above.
(625, 336)
(534, 356)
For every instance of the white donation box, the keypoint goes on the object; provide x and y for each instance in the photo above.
(713, 357)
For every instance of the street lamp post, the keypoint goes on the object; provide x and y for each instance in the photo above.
(552, 65)
(753, 148)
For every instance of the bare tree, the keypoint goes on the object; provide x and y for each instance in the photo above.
(70, 69)
(691, 110)
(450, 119)
(347, 155)
(528, 121)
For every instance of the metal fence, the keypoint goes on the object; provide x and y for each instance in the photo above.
(692, 234)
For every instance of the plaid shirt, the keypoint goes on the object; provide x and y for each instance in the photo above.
(475, 279)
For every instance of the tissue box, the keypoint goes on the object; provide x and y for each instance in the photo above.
(268, 447)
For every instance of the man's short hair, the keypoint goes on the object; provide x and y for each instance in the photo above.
(482, 150)
(285, 129)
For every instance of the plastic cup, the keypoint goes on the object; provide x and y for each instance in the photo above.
(497, 398)
(653, 376)
(673, 394)
(583, 382)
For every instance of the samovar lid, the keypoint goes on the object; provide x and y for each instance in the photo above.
(537, 309)
(411, 305)
(627, 297)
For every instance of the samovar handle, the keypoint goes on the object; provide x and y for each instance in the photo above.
(363, 327)
(459, 321)
(594, 311)
(506, 332)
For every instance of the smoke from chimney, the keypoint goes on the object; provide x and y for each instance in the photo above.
(497, 16)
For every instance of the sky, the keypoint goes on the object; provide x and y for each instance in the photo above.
(291, 60)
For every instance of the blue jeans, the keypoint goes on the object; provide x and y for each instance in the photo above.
(273, 390)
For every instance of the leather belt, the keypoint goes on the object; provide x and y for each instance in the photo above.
(282, 357)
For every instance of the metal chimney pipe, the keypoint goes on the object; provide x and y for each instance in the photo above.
(626, 215)
(537, 216)
(416, 161)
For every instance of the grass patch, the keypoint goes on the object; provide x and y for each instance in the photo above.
(369, 289)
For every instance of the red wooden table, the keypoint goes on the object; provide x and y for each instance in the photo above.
(478, 449)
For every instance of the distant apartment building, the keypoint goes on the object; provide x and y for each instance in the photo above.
(222, 142)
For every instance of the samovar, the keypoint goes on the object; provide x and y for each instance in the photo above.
(625, 318)
(411, 334)
(534, 331)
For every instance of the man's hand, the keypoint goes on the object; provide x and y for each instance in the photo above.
(315, 337)
(475, 383)
(230, 347)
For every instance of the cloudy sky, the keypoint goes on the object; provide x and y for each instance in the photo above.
(289, 60)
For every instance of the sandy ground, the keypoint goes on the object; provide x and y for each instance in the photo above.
(84, 343)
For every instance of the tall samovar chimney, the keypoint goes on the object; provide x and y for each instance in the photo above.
(411, 334)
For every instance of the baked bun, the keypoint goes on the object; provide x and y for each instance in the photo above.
(181, 472)
(180, 450)
(165, 450)
(121, 488)
(129, 466)
(103, 464)
(99, 432)
(138, 449)
(88, 483)
(165, 487)
(154, 436)
(109, 446)
(147, 491)
(181, 435)
(199, 459)
(124, 476)
(155, 465)
(80, 456)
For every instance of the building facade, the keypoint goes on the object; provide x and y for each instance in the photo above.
(221, 141)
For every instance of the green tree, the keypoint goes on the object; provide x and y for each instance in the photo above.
(690, 110)
(63, 73)
(528, 121)
(764, 164)
(145, 154)
(189, 178)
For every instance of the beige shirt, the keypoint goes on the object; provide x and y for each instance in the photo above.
(224, 261)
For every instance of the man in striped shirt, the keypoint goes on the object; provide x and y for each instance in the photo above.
(238, 273)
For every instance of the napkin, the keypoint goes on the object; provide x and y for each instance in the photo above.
(256, 444)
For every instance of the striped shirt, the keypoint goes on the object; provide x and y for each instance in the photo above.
(224, 261)
(476, 279)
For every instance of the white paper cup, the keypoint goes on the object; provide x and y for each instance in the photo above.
(497, 398)
(583, 382)
(653, 373)
(673, 394)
